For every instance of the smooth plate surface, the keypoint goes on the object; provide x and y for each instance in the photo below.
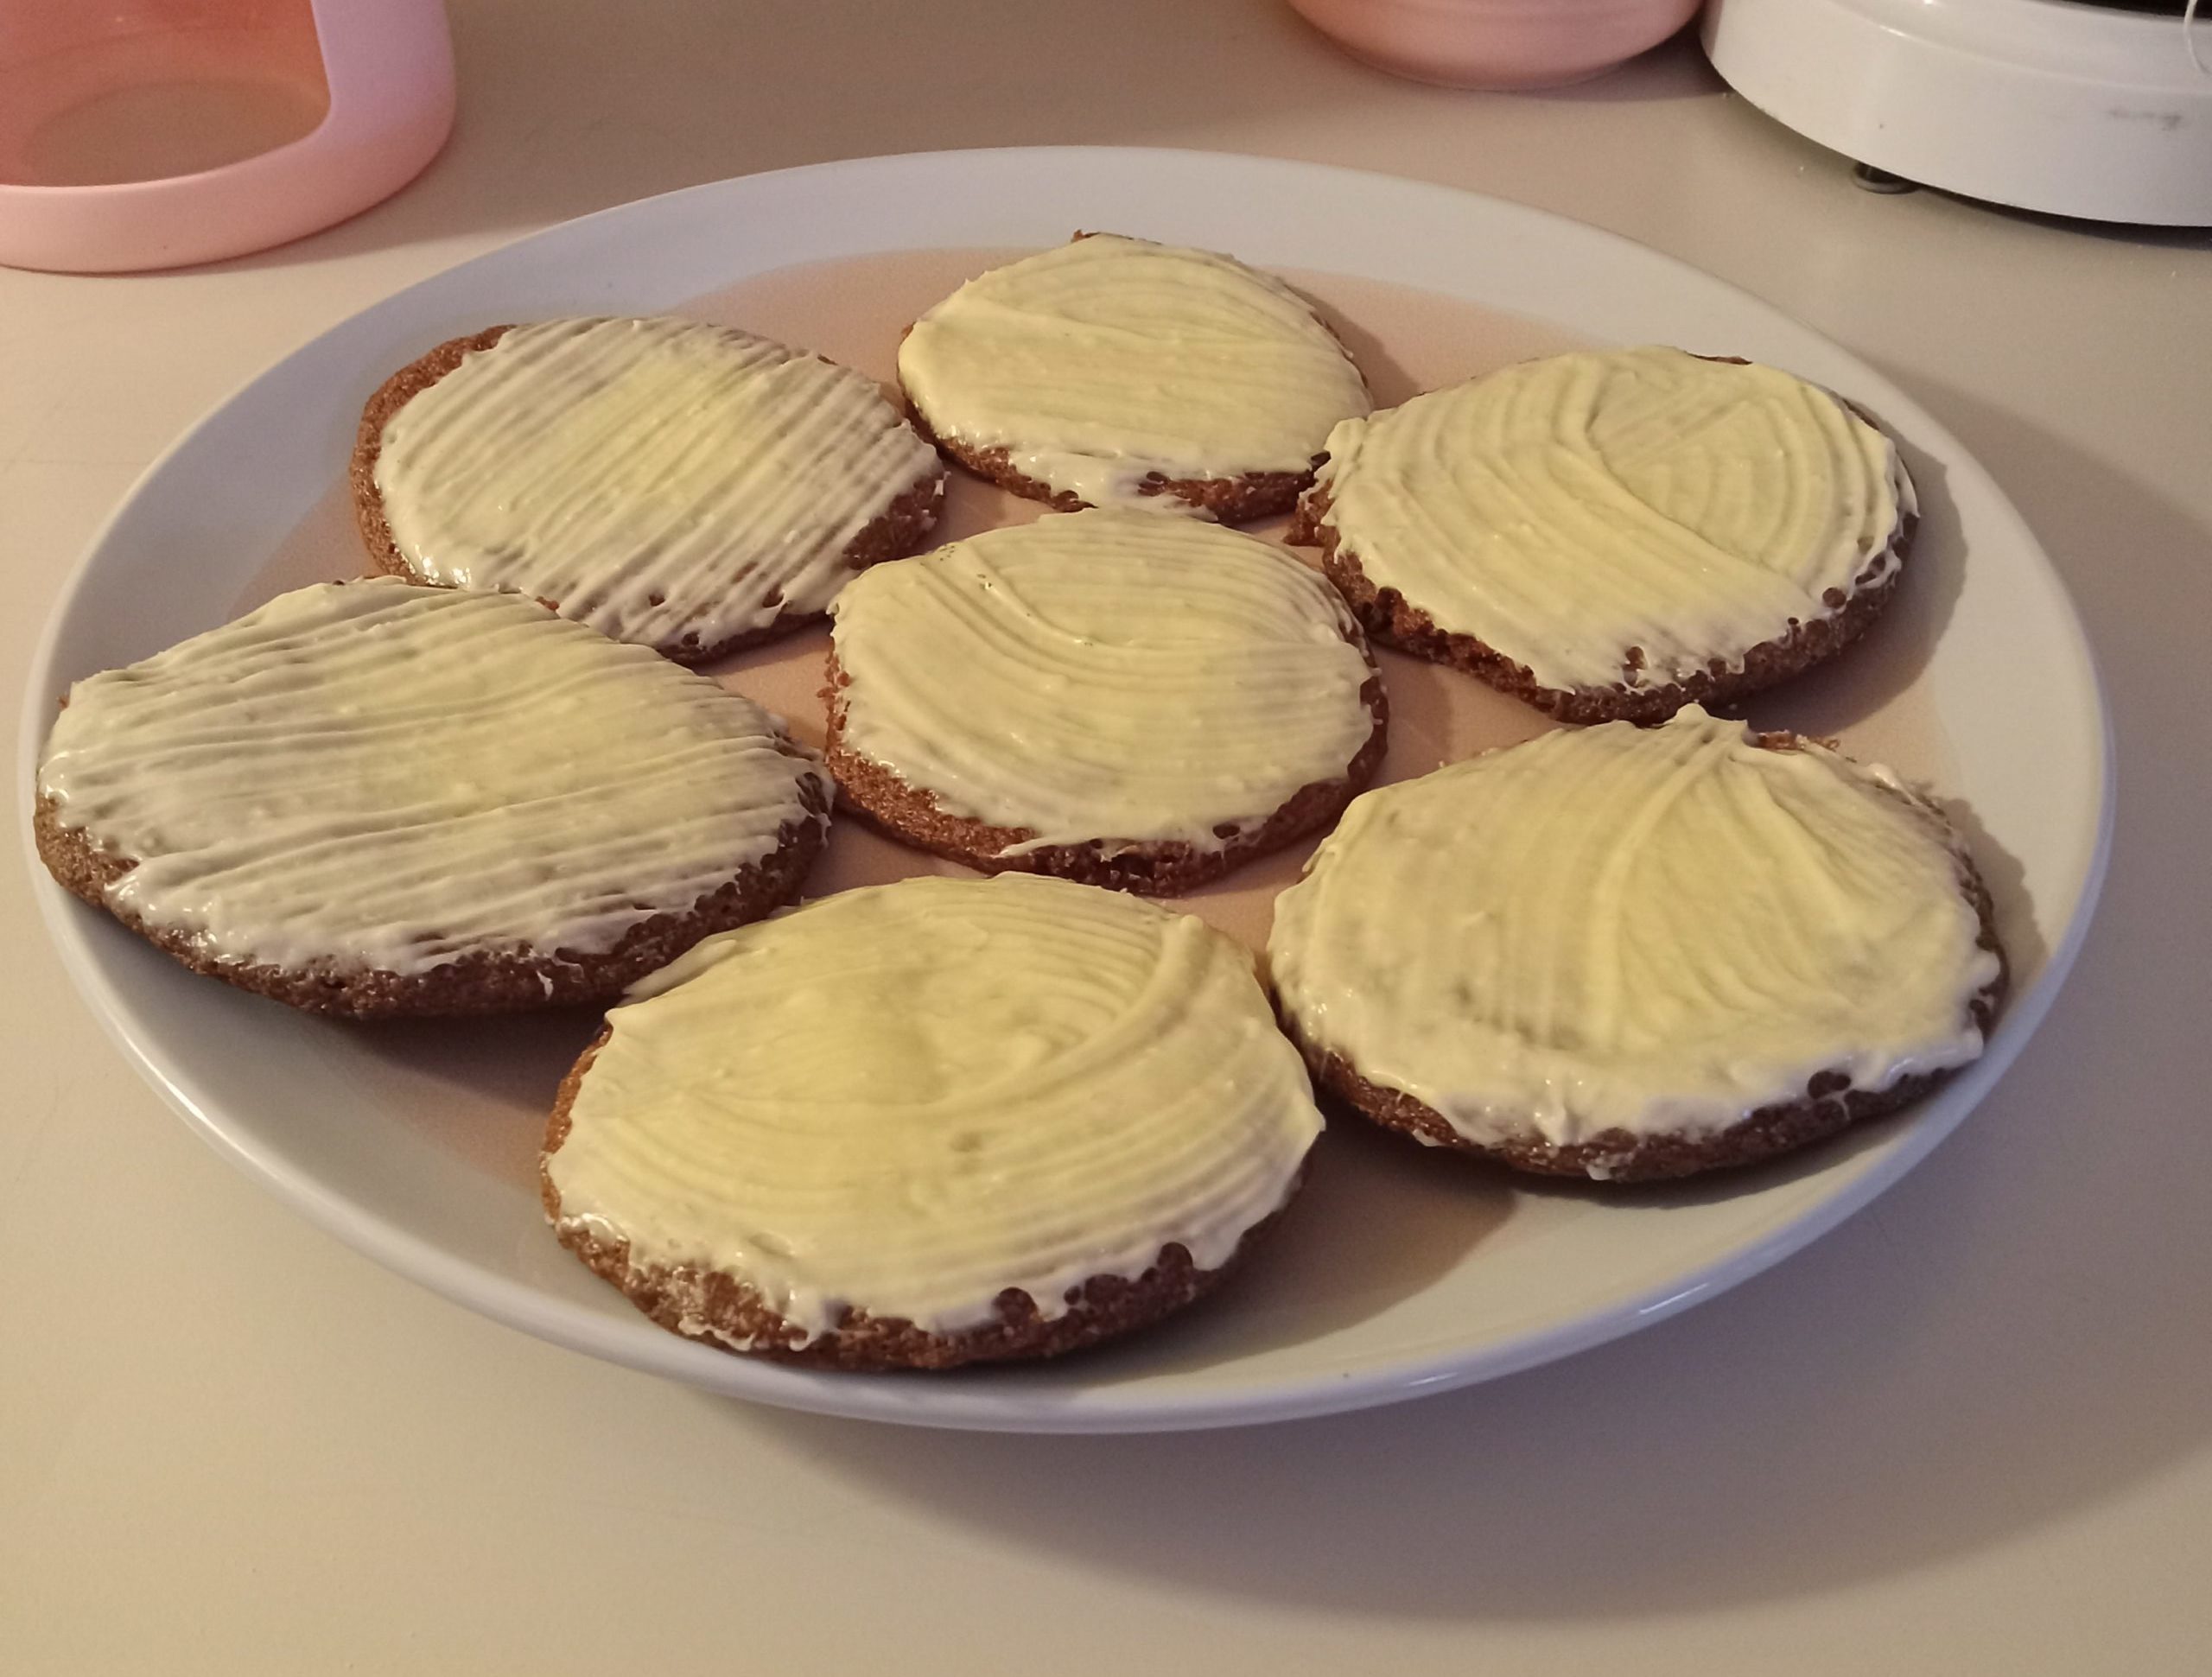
(1398, 1272)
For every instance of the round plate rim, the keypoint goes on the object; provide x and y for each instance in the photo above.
(971, 1402)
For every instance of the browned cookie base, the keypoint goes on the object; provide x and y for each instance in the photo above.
(1156, 869)
(1388, 617)
(1829, 1103)
(721, 1310)
(1232, 501)
(1828, 1107)
(901, 527)
(488, 981)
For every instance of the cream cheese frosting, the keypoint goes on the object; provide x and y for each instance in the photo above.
(908, 1098)
(378, 776)
(1109, 360)
(666, 481)
(1658, 931)
(1104, 675)
(1565, 511)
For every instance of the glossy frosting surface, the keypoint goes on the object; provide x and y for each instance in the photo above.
(1568, 509)
(661, 479)
(1104, 675)
(908, 1098)
(1655, 931)
(383, 775)
(1107, 359)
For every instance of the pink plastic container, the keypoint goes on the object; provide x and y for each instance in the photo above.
(1497, 43)
(153, 133)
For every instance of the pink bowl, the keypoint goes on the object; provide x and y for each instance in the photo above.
(1495, 43)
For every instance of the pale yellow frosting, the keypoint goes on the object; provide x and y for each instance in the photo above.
(1105, 674)
(1109, 360)
(384, 777)
(908, 1098)
(1565, 511)
(657, 479)
(1657, 930)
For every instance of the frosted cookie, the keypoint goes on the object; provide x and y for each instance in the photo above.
(1136, 702)
(689, 487)
(1114, 372)
(375, 798)
(1627, 953)
(1616, 533)
(929, 1123)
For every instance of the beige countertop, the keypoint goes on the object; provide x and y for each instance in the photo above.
(1966, 1433)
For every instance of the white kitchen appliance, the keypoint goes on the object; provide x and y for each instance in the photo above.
(2095, 108)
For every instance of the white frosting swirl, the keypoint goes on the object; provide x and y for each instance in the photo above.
(666, 481)
(908, 1098)
(1658, 931)
(1109, 360)
(1567, 510)
(383, 777)
(1103, 675)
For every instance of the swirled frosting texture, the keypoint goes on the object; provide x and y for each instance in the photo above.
(908, 1098)
(1104, 675)
(384, 777)
(657, 478)
(1565, 511)
(1655, 931)
(1110, 360)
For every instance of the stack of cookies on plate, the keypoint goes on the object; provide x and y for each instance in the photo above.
(1011, 1113)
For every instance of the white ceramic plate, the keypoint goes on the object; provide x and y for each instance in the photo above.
(1399, 1272)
